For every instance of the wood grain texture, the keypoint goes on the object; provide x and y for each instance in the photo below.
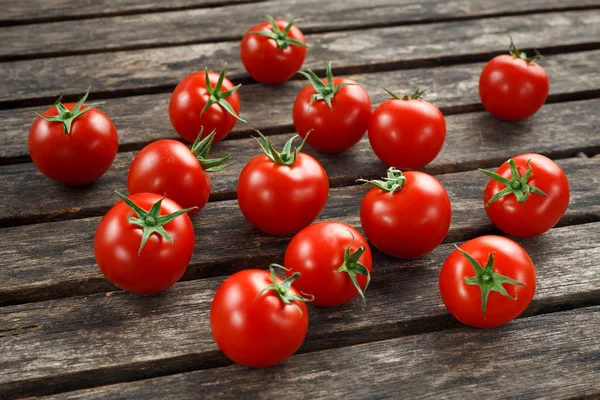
(44, 261)
(547, 356)
(77, 342)
(142, 119)
(160, 69)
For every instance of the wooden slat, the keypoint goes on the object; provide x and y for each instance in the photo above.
(44, 261)
(546, 356)
(83, 341)
(142, 119)
(473, 140)
(160, 69)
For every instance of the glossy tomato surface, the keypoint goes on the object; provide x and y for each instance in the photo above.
(79, 157)
(253, 328)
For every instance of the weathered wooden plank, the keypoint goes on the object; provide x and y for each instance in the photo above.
(546, 356)
(44, 261)
(473, 140)
(142, 119)
(215, 24)
(84, 341)
(159, 69)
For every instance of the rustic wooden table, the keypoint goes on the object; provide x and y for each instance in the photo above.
(66, 331)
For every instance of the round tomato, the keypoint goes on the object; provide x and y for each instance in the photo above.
(257, 318)
(273, 51)
(487, 281)
(335, 111)
(170, 167)
(73, 144)
(527, 195)
(513, 87)
(334, 262)
(205, 100)
(406, 215)
(144, 243)
(281, 193)
(407, 132)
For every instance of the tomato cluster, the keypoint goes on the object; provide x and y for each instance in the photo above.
(145, 242)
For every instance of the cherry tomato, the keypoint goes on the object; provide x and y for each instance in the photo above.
(170, 167)
(335, 110)
(257, 318)
(527, 195)
(407, 132)
(281, 193)
(487, 282)
(334, 262)
(205, 100)
(513, 87)
(406, 215)
(144, 243)
(73, 144)
(273, 51)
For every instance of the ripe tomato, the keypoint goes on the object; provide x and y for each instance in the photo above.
(334, 262)
(281, 193)
(273, 51)
(205, 100)
(527, 195)
(144, 243)
(170, 167)
(513, 87)
(73, 145)
(335, 110)
(407, 132)
(257, 318)
(406, 215)
(487, 281)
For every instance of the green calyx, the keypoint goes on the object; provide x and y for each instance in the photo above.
(391, 183)
(323, 91)
(352, 266)
(487, 280)
(512, 49)
(517, 185)
(201, 148)
(219, 97)
(281, 36)
(66, 116)
(287, 156)
(151, 221)
(283, 289)
(417, 95)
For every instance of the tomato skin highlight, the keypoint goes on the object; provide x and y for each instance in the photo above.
(160, 263)
(77, 158)
(316, 252)
(513, 89)
(339, 128)
(265, 61)
(407, 134)
(464, 301)
(282, 199)
(252, 329)
(538, 214)
(410, 223)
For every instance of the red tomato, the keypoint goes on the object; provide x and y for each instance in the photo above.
(335, 110)
(408, 132)
(281, 193)
(513, 87)
(406, 215)
(527, 195)
(205, 100)
(73, 144)
(334, 262)
(257, 318)
(273, 51)
(488, 282)
(170, 167)
(144, 243)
